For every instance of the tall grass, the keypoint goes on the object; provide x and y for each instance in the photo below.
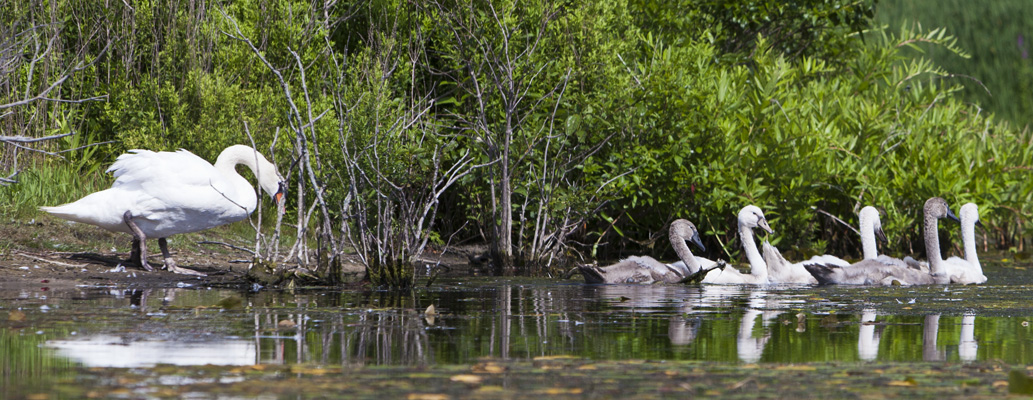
(48, 183)
(999, 36)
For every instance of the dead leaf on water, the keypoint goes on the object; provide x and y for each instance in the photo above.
(430, 311)
(556, 391)
(795, 368)
(16, 316)
(427, 396)
(907, 382)
(548, 358)
(490, 368)
(467, 379)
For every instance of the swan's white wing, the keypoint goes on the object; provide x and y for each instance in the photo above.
(170, 184)
(782, 271)
(144, 168)
(827, 260)
(963, 272)
(684, 269)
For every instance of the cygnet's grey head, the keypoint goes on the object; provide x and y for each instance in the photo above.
(752, 217)
(937, 207)
(686, 230)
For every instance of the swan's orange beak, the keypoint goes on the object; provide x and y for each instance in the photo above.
(280, 198)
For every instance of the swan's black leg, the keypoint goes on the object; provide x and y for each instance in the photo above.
(138, 236)
(134, 255)
(170, 264)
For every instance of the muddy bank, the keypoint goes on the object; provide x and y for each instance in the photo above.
(52, 254)
(49, 253)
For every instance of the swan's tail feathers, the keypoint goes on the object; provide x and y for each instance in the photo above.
(62, 211)
(592, 274)
(823, 273)
(697, 277)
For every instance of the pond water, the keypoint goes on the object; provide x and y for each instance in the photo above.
(47, 334)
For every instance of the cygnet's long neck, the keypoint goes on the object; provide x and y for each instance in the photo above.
(682, 250)
(932, 246)
(868, 245)
(968, 239)
(757, 266)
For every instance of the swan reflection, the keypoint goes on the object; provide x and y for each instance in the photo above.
(869, 337)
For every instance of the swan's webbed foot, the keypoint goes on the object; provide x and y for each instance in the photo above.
(139, 253)
(170, 264)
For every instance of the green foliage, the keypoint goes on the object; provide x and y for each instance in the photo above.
(998, 34)
(605, 119)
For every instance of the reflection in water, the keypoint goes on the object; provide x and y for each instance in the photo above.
(929, 332)
(502, 320)
(967, 347)
(118, 352)
(868, 338)
(749, 346)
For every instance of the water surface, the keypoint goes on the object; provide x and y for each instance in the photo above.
(43, 333)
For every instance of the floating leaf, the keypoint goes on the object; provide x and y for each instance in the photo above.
(467, 379)
(16, 316)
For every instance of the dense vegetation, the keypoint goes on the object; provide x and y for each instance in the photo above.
(553, 131)
(999, 75)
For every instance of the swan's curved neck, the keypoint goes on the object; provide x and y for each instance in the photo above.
(932, 246)
(264, 171)
(757, 266)
(682, 249)
(868, 245)
(968, 239)
(233, 155)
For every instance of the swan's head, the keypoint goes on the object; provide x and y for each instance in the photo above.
(271, 182)
(871, 215)
(751, 216)
(268, 178)
(686, 230)
(969, 213)
(936, 207)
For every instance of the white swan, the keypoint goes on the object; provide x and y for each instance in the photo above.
(158, 194)
(749, 217)
(871, 228)
(967, 270)
(644, 269)
(875, 272)
(782, 271)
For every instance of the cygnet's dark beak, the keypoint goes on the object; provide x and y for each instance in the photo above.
(879, 234)
(696, 241)
(950, 214)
